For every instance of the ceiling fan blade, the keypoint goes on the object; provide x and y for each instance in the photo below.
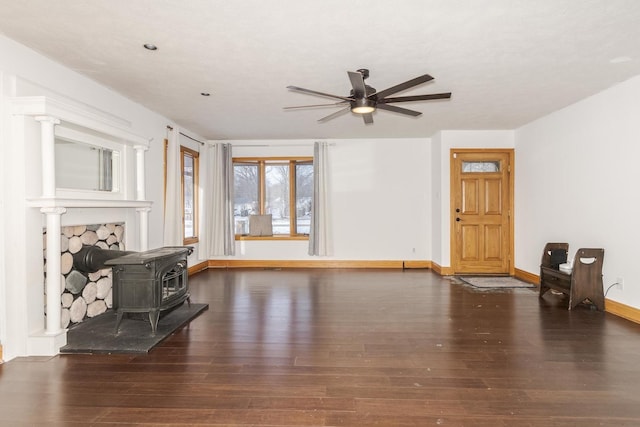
(368, 118)
(336, 104)
(404, 86)
(357, 82)
(334, 115)
(398, 110)
(314, 92)
(416, 98)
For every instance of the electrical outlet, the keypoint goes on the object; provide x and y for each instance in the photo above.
(620, 282)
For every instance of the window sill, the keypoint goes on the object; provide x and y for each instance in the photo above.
(274, 237)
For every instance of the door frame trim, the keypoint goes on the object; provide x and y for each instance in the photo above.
(511, 181)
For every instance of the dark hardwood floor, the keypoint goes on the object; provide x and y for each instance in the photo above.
(349, 348)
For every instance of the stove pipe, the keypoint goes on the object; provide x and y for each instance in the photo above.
(92, 258)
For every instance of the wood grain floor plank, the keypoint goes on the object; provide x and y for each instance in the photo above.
(348, 348)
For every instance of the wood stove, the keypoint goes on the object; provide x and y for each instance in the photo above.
(150, 282)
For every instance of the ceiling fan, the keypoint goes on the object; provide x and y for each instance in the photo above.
(364, 100)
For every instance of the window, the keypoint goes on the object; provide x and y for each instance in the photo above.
(281, 187)
(481, 166)
(189, 170)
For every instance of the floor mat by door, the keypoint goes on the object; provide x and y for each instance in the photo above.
(500, 282)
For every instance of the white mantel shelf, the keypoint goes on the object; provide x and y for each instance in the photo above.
(87, 203)
(79, 114)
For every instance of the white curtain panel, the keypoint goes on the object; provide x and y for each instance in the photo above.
(173, 229)
(320, 242)
(206, 199)
(220, 236)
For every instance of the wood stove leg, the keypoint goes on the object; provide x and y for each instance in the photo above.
(154, 315)
(119, 315)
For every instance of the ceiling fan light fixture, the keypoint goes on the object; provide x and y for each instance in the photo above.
(363, 99)
(363, 106)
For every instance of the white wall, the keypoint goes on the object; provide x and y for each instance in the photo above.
(443, 143)
(380, 199)
(436, 199)
(3, 283)
(389, 196)
(577, 171)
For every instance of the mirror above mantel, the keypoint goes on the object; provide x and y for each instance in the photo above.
(91, 165)
(83, 166)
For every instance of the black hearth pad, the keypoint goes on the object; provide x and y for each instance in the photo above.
(96, 335)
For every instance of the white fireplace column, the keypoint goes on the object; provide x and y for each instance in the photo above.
(140, 181)
(144, 227)
(54, 307)
(47, 142)
(143, 212)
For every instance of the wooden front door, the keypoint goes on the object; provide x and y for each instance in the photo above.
(481, 204)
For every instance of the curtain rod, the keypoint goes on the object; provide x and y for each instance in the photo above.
(187, 136)
(331, 144)
(191, 138)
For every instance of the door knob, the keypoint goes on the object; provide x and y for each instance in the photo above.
(458, 219)
(457, 209)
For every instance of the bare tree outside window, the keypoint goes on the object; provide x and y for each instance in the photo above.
(304, 197)
(246, 194)
(277, 195)
(280, 187)
(189, 164)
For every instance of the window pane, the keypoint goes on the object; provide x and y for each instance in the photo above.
(277, 196)
(304, 196)
(279, 187)
(488, 166)
(246, 201)
(188, 192)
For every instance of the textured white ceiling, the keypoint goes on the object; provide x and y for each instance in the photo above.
(507, 62)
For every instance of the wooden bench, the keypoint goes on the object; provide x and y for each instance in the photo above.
(585, 280)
